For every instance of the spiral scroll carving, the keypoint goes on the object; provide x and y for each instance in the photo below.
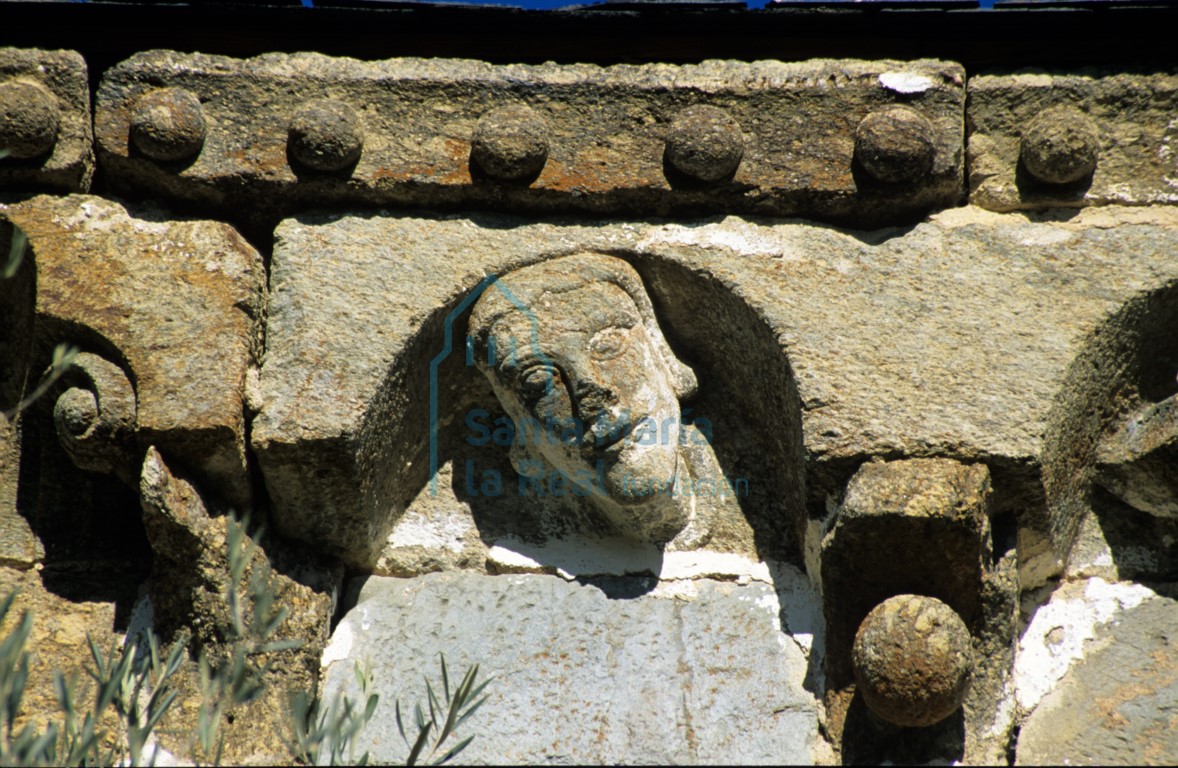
(95, 417)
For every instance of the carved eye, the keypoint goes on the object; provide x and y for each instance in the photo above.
(537, 380)
(608, 343)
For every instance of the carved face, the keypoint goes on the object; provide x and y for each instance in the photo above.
(588, 389)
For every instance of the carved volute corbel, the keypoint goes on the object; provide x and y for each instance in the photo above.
(95, 417)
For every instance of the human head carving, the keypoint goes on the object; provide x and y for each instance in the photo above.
(576, 357)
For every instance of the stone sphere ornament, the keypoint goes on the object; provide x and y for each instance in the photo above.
(168, 125)
(896, 144)
(705, 143)
(326, 135)
(912, 658)
(76, 411)
(29, 119)
(510, 143)
(1060, 146)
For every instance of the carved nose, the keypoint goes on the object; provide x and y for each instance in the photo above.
(595, 405)
(593, 400)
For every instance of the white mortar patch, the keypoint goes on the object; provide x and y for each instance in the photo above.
(587, 556)
(702, 564)
(340, 647)
(905, 82)
(733, 234)
(1055, 637)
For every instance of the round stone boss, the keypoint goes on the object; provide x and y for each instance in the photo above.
(510, 143)
(168, 124)
(705, 142)
(326, 135)
(896, 144)
(76, 411)
(29, 119)
(912, 658)
(1060, 146)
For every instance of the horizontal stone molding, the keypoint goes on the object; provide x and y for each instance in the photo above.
(44, 121)
(278, 133)
(1073, 139)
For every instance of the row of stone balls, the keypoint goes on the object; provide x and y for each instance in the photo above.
(894, 144)
(511, 143)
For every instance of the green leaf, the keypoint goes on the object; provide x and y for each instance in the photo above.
(422, 739)
(16, 253)
(400, 727)
(455, 750)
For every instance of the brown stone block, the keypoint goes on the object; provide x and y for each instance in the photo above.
(177, 303)
(268, 136)
(45, 121)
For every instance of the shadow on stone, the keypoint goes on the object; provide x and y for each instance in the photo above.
(868, 740)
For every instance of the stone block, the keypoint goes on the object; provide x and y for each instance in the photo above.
(1138, 462)
(45, 121)
(269, 136)
(1039, 140)
(1115, 705)
(180, 308)
(983, 315)
(705, 677)
(917, 527)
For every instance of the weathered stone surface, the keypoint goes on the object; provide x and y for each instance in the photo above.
(1035, 138)
(704, 143)
(45, 121)
(597, 140)
(1139, 461)
(325, 135)
(95, 418)
(510, 143)
(989, 704)
(912, 660)
(19, 546)
(1117, 704)
(168, 124)
(189, 597)
(180, 308)
(1104, 452)
(576, 357)
(918, 527)
(706, 676)
(896, 144)
(29, 119)
(1060, 146)
(61, 626)
(983, 315)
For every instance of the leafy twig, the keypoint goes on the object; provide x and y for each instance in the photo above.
(457, 709)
